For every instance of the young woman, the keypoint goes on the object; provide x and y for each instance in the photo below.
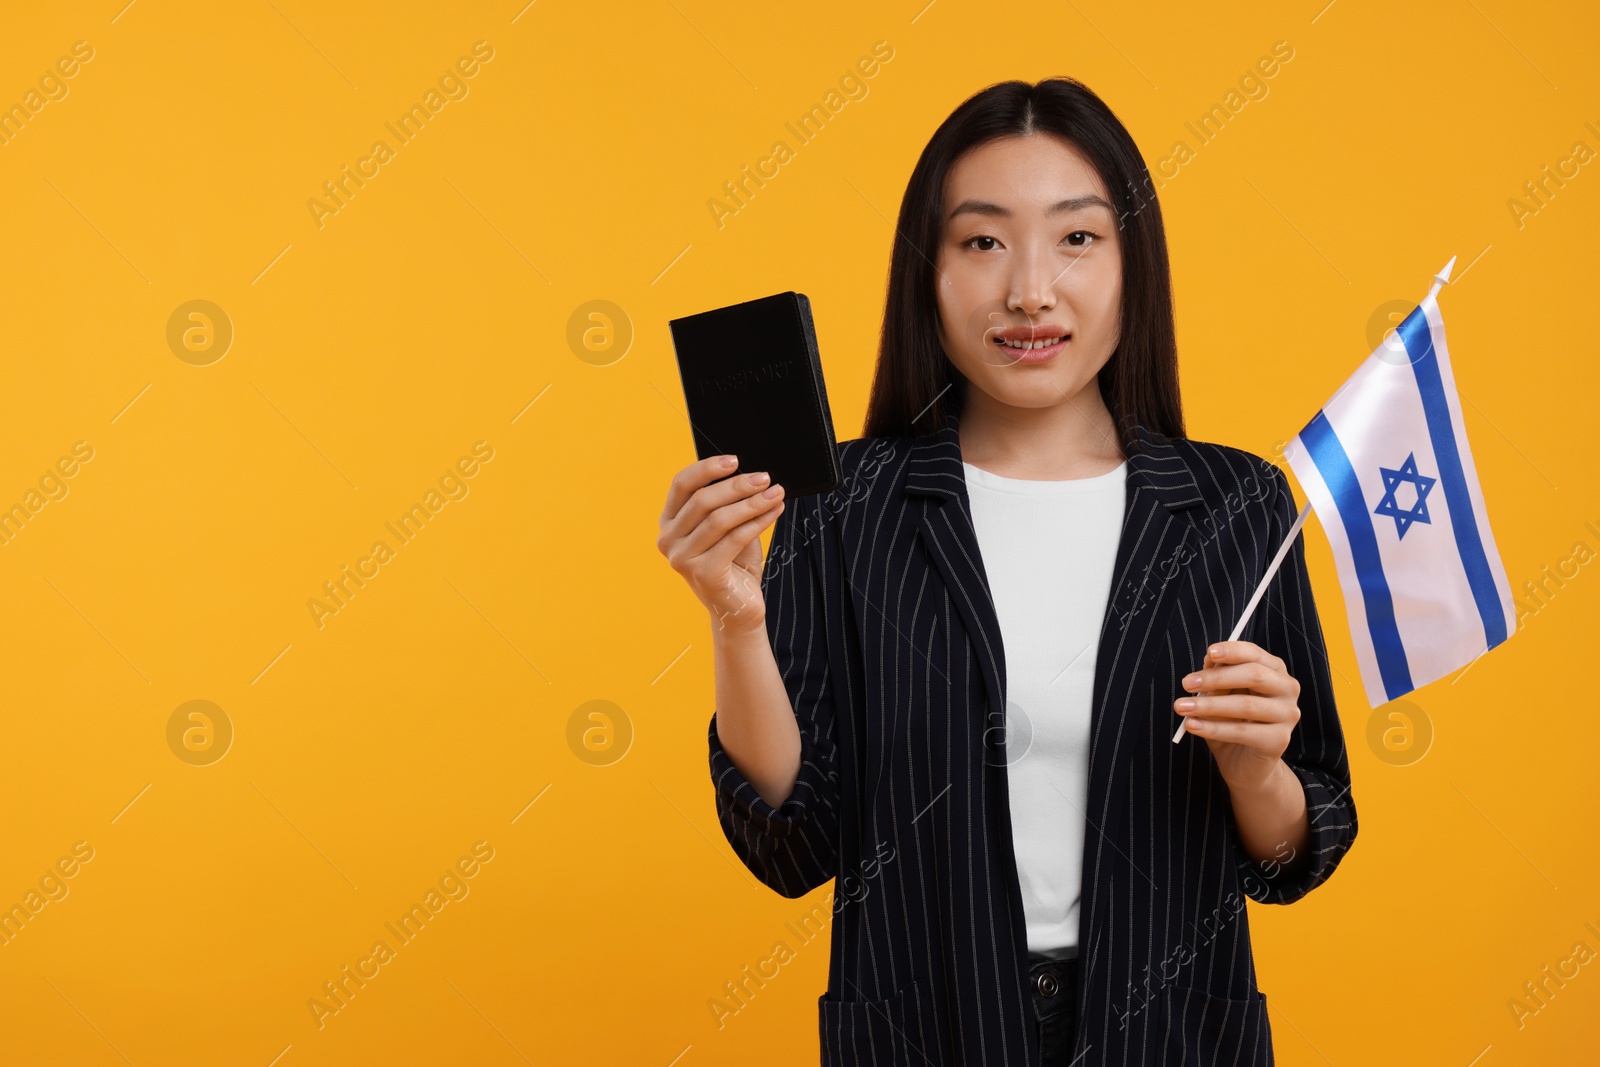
(952, 686)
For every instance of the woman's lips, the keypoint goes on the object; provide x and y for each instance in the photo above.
(1033, 355)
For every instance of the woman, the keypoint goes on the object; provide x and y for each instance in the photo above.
(951, 687)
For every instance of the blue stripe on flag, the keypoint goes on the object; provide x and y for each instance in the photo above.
(1418, 340)
(1333, 463)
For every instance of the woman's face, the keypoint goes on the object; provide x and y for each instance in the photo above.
(1029, 254)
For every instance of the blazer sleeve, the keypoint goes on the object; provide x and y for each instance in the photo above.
(1291, 630)
(792, 848)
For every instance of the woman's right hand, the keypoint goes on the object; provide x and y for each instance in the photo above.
(711, 534)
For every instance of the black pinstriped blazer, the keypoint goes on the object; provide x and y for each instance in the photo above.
(880, 618)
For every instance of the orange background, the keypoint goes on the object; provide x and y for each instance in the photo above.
(373, 347)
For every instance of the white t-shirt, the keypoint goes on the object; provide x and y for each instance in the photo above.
(1048, 549)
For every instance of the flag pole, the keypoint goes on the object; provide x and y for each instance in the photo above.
(1440, 279)
(1261, 587)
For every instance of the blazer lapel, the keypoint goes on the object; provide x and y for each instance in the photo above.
(1156, 521)
(934, 472)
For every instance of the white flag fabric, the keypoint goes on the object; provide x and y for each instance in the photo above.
(1387, 469)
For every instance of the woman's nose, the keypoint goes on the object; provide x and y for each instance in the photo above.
(1032, 285)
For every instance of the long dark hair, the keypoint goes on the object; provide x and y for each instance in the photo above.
(915, 384)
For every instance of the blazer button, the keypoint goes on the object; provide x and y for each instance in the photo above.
(1048, 985)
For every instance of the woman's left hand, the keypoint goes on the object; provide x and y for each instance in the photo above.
(1245, 704)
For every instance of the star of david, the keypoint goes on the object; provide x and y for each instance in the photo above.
(1392, 479)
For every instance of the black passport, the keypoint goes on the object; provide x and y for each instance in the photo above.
(752, 381)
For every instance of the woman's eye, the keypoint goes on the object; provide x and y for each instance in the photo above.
(1072, 238)
(970, 242)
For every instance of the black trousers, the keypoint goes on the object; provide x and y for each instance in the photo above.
(1055, 1004)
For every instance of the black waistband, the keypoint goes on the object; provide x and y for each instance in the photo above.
(1054, 982)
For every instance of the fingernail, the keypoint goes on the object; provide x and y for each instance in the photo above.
(760, 478)
(1215, 651)
(729, 461)
(772, 493)
(1191, 681)
(1185, 705)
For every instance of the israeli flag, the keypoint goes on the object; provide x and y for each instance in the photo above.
(1386, 466)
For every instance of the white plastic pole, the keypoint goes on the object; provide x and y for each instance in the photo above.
(1261, 587)
(1440, 279)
